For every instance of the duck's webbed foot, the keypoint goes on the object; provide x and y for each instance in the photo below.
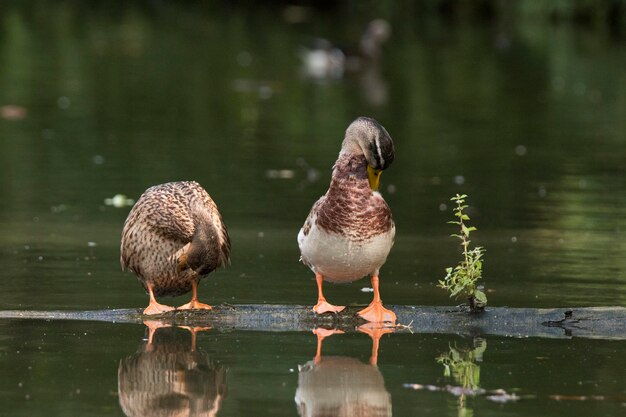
(156, 308)
(375, 312)
(324, 306)
(194, 303)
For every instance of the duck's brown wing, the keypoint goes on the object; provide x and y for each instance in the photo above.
(225, 244)
(161, 214)
(208, 217)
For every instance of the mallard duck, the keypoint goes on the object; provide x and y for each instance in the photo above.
(173, 237)
(349, 231)
(169, 377)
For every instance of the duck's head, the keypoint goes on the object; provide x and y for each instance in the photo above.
(367, 137)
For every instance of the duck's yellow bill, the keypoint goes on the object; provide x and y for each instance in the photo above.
(373, 175)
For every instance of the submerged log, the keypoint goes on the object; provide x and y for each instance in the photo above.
(583, 322)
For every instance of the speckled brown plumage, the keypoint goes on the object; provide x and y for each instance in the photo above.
(349, 208)
(173, 236)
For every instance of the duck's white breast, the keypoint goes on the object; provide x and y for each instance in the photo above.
(340, 259)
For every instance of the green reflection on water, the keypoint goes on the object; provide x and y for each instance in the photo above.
(461, 365)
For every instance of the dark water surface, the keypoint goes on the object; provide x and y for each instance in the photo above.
(68, 368)
(526, 118)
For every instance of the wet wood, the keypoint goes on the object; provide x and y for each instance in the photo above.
(584, 322)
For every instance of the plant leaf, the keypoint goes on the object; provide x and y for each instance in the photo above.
(480, 296)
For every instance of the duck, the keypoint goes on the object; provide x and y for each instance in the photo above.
(350, 231)
(172, 238)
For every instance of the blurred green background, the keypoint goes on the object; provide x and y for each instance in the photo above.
(519, 104)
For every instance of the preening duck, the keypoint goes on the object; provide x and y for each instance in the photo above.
(173, 237)
(350, 231)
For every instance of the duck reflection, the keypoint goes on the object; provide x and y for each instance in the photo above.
(169, 376)
(343, 386)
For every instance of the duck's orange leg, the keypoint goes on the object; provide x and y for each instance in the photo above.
(322, 305)
(321, 334)
(153, 326)
(375, 332)
(194, 331)
(154, 307)
(375, 312)
(194, 303)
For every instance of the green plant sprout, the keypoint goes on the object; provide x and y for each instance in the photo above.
(461, 279)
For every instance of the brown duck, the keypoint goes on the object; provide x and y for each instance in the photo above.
(172, 238)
